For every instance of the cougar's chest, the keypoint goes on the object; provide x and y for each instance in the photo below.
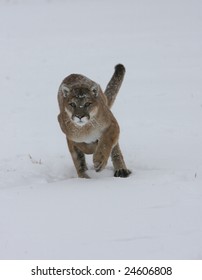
(91, 137)
(86, 134)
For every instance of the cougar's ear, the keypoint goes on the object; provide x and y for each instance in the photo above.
(95, 90)
(65, 90)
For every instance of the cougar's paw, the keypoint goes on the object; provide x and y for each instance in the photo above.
(123, 173)
(99, 162)
(99, 166)
(84, 175)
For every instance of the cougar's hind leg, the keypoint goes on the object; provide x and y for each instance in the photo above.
(118, 163)
(79, 160)
(114, 84)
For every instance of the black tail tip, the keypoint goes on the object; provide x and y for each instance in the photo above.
(120, 68)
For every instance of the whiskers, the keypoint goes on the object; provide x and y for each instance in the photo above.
(67, 121)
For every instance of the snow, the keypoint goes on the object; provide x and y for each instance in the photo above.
(46, 212)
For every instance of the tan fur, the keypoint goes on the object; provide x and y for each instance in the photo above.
(89, 125)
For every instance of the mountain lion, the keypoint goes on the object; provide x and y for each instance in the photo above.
(89, 125)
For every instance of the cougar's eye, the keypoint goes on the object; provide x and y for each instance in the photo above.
(87, 104)
(72, 104)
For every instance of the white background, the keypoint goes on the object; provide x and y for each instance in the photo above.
(46, 212)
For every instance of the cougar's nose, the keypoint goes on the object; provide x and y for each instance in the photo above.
(79, 116)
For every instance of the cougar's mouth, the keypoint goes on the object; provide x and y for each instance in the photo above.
(81, 121)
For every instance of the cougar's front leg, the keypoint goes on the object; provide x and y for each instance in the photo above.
(118, 162)
(78, 159)
(105, 145)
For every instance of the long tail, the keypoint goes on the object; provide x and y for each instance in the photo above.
(114, 84)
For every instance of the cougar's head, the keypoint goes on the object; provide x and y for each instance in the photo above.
(80, 102)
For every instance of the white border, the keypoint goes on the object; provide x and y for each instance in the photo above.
(16, 269)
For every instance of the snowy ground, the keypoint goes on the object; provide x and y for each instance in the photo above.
(46, 212)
